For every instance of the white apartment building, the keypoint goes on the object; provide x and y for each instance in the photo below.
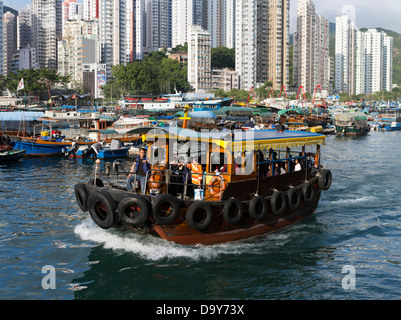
(1, 42)
(245, 43)
(186, 13)
(112, 27)
(199, 59)
(90, 9)
(71, 10)
(364, 60)
(225, 79)
(311, 48)
(78, 46)
(46, 30)
(344, 57)
(8, 39)
(262, 42)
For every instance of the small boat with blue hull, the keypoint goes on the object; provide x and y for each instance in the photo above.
(395, 126)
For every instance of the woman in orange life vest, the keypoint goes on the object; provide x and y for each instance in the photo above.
(196, 172)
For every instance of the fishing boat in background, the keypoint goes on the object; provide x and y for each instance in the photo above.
(7, 153)
(351, 123)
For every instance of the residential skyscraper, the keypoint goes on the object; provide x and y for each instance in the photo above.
(9, 44)
(311, 48)
(112, 27)
(364, 60)
(46, 30)
(1, 42)
(186, 13)
(24, 28)
(90, 9)
(262, 42)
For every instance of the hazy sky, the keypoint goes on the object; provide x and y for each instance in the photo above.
(368, 13)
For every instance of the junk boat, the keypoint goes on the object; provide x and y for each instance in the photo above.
(239, 185)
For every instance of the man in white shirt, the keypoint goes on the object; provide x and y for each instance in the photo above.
(297, 165)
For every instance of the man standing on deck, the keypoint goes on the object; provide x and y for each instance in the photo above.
(138, 171)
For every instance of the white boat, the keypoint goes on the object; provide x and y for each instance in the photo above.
(125, 124)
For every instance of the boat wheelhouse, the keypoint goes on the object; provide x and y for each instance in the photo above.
(215, 187)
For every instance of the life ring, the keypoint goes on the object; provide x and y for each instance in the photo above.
(308, 192)
(165, 208)
(102, 209)
(82, 196)
(325, 179)
(294, 198)
(133, 211)
(258, 208)
(216, 190)
(199, 215)
(232, 211)
(278, 202)
(156, 180)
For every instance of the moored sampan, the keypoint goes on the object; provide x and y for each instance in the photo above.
(251, 184)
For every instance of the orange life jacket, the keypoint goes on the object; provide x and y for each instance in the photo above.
(197, 175)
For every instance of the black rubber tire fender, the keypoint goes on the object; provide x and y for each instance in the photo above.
(199, 215)
(82, 196)
(172, 211)
(102, 208)
(130, 216)
(325, 179)
(258, 208)
(294, 196)
(99, 182)
(308, 192)
(233, 211)
(278, 202)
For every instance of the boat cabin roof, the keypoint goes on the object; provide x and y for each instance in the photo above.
(238, 140)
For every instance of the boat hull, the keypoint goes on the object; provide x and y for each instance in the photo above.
(220, 230)
(38, 148)
(352, 130)
(105, 154)
(11, 156)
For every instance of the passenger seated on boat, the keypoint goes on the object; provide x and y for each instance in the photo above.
(298, 166)
(138, 171)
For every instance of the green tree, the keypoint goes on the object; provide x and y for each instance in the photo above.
(223, 57)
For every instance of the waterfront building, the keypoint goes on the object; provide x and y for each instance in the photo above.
(199, 59)
(311, 49)
(262, 42)
(46, 30)
(9, 43)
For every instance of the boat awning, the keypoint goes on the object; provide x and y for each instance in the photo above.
(21, 116)
(242, 141)
(105, 131)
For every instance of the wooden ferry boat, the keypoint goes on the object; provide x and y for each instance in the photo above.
(351, 124)
(231, 195)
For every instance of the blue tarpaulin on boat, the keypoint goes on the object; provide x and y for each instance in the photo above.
(202, 114)
(21, 116)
